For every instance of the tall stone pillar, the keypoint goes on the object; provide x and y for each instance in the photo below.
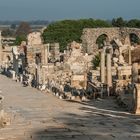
(39, 80)
(137, 100)
(1, 110)
(44, 75)
(46, 54)
(57, 51)
(130, 57)
(102, 67)
(109, 72)
(0, 49)
(135, 73)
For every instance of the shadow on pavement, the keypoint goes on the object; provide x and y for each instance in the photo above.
(101, 120)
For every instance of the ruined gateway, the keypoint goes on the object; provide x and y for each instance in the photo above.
(90, 36)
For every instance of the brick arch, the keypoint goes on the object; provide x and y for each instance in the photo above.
(105, 37)
(132, 31)
(90, 36)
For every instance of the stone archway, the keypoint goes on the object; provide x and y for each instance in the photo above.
(134, 39)
(102, 40)
(90, 36)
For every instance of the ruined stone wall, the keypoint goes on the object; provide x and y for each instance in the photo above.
(90, 36)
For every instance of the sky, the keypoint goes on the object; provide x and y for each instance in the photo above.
(68, 9)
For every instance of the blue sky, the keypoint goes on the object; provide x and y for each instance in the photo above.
(68, 9)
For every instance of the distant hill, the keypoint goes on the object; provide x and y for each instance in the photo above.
(33, 22)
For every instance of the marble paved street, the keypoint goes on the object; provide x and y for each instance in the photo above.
(41, 116)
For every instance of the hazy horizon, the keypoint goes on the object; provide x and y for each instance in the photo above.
(64, 9)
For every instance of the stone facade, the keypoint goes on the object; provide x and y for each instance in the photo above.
(90, 36)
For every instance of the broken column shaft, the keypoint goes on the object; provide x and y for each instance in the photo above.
(135, 73)
(137, 100)
(46, 54)
(102, 67)
(130, 57)
(109, 72)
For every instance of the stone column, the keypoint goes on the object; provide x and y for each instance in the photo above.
(109, 72)
(38, 75)
(130, 57)
(21, 78)
(102, 67)
(44, 74)
(1, 109)
(14, 75)
(46, 54)
(56, 51)
(135, 73)
(0, 49)
(137, 100)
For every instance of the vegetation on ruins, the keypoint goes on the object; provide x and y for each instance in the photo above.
(96, 61)
(67, 31)
(19, 39)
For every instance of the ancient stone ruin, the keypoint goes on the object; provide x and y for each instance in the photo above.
(69, 75)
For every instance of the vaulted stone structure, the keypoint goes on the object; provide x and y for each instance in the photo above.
(90, 36)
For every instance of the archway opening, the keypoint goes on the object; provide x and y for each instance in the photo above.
(8, 58)
(102, 40)
(134, 39)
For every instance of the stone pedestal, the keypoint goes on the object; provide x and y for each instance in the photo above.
(14, 75)
(21, 78)
(102, 67)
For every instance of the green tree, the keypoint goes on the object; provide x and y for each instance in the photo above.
(23, 29)
(96, 61)
(21, 33)
(134, 23)
(19, 39)
(119, 22)
(66, 31)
